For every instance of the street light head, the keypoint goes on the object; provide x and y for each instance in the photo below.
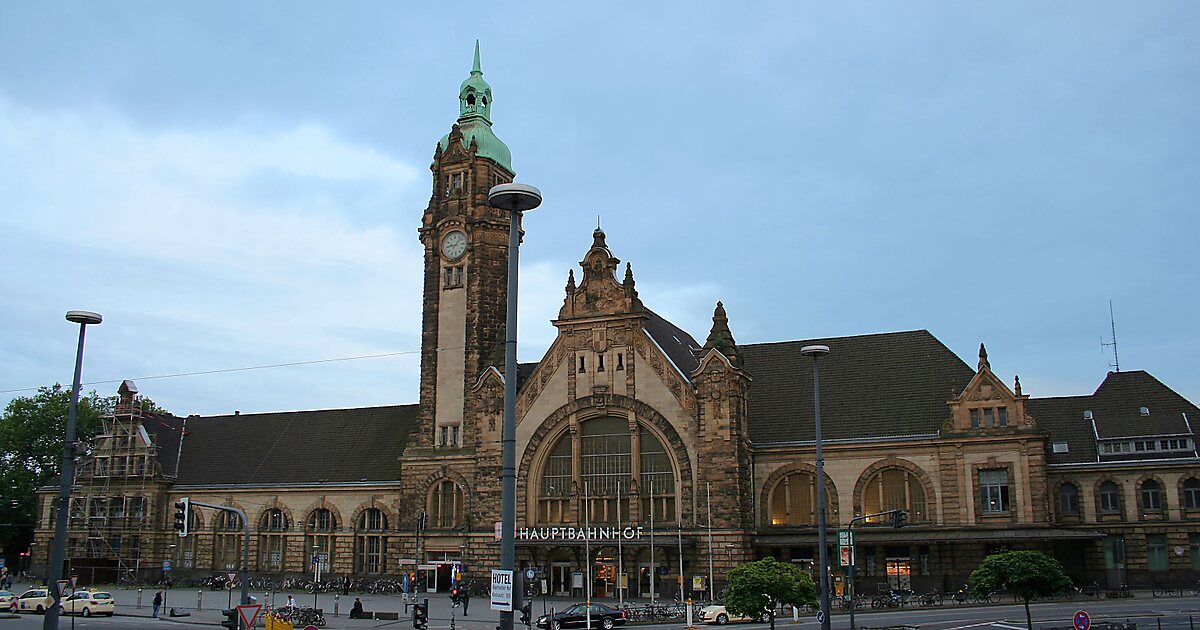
(515, 197)
(84, 317)
(811, 351)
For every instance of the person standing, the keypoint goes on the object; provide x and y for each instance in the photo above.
(291, 603)
(466, 599)
(158, 599)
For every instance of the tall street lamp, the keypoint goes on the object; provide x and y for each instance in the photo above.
(58, 552)
(815, 352)
(516, 198)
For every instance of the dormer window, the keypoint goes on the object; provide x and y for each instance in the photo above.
(974, 418)
(1144, 411)
(989, 417)
(1002, 416)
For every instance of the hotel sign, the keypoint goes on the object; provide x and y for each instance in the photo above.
(579, 533)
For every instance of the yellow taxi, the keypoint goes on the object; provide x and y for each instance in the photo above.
(8, 601)
(35, 600)
(88, 603)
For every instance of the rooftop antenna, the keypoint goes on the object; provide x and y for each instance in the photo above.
(597, 221)
(1112, 323)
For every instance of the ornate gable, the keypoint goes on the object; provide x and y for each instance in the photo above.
(987, 405)
(599, 294)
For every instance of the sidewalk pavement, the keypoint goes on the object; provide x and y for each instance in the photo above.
(205, 606)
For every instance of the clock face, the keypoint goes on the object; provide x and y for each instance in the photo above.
(454, 245)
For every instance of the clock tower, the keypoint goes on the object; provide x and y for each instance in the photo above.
(466, 254)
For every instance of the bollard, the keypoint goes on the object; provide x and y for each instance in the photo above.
(795, 614)
(689, 614)
(1158, 620)
(139, 599)
(1191, 623)
(200, 599)
(336, 602)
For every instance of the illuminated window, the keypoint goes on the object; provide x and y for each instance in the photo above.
(895, 489)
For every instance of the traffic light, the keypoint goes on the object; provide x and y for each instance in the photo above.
(899, 519)
(454, 596)
(526, 613)
(182, 511)
(231, 618)
(420, 616)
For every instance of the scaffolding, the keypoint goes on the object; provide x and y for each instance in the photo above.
(111, 511)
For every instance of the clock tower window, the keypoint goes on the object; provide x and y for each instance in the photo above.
(453, 277)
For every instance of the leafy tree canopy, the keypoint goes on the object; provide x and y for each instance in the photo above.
(32, 430)
(1026, 574)
(764, 585)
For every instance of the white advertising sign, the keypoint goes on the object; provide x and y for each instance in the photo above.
(502, 590)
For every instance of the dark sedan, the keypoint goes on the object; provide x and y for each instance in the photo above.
(576, 616)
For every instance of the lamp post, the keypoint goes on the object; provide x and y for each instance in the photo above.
(516, 198)
(316, 558)
(815, 352)
(58, 551)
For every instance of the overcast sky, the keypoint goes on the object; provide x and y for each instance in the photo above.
(238, 184)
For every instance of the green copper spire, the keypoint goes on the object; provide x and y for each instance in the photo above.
(474, 117)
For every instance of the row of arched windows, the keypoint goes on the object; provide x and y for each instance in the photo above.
(793, 499)
(1151, 497)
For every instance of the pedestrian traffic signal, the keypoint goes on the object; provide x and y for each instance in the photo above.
(231, 618)
(454, 596)
(899, 519)
(420, 616)
(182, 510)
(526, 613)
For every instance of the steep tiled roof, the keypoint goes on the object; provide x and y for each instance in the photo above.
(165, 432)
(1063, 419)
(329, 445)
(883, 385)
(679, 346)
(1116, 408)
(1117, 403)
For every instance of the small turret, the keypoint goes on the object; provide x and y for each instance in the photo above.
(721, 338)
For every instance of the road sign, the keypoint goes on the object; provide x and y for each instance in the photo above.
(249, 614)
(74, 581)
(310, 628)
(1082, 620)
(846, 537)
(820, 616)
(166, 565)
(845, 556)
(499, 530)
(315, 559)
(502, 590)
(231, 576)
(64, 587)
(529, 574)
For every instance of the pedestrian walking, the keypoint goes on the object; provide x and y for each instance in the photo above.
(466, 600)
(158, 599)
(291, 603)
(345, 585)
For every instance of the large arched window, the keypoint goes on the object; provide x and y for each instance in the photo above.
(895, 489)
(610, 457)
(1191, 494)
(794, 500)
(1068, 499)
(446, 505)
(1110, 497)
(371, 541)
(271, 540)
(227, 544)
(319, 535)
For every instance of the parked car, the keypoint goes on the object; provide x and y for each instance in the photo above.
(88, 603)
(576, 616)
(8, 601)
(717, 614)
(35, 600)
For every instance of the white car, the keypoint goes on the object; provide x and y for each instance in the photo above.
(88, 603)
(717, 614)
(35, 600)
(8, 601)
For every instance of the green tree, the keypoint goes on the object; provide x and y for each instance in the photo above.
(764, 585)
(32, 430)
(1025, 574)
